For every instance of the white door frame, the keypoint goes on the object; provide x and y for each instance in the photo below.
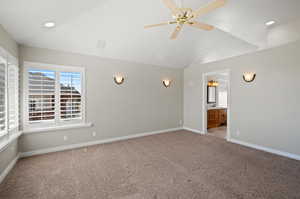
(204, 101)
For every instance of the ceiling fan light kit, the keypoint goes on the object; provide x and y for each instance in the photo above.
(186, 16)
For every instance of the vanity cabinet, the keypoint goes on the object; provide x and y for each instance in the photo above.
(216, 118)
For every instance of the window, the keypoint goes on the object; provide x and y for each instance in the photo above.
(54, 95)
(222, 98)
(41, 95)
(13, 96)
(70, 95)
(9, 96)
(3, 124)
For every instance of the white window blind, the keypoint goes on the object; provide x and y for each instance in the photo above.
(54, 95)
(13, 96)
(3, 107)
(70, 95)
(41, 95)
(9, 102)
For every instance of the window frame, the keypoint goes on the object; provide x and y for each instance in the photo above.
(5, 131)
(27, 126)
(17, 97)
(10, 61)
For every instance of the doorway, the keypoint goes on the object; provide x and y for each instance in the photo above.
(216, 106)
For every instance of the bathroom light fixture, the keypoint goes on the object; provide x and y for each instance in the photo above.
(119, 79)
(213, 83)
(249, 76)
(49, 24)
(269, 23)
(167, 83)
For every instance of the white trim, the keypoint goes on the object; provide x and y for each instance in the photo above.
(193, 130)
(204, 101)
(266, 149)
(9, 167)
(79, 145)
(56, 128)
(57, 69)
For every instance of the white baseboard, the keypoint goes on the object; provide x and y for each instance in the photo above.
(9, 167)
(79, 145)
(193, 130)
(266, 149)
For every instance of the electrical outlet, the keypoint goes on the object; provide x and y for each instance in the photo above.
(65, 138)
(238, 132)
(94, 134)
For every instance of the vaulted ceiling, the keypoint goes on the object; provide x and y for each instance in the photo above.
(114, 28)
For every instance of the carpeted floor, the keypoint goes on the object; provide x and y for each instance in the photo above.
(167, 166)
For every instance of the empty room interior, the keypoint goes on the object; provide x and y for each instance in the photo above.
(139, 99)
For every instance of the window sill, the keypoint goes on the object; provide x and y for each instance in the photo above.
(5, 143)
(57, 128)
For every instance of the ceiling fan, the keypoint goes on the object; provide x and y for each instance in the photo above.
(186, 16)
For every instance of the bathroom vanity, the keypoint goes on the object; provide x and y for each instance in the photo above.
(216, 116)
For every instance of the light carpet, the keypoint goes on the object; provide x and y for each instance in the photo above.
(172, 165)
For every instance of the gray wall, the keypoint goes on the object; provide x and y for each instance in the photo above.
(265, 112)
(11, 151)
(141, 104)
(7, 42)
(8, 154)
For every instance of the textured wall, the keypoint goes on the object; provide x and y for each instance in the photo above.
(141, 104)
(265, 112)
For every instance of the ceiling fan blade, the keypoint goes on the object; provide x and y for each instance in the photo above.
(171, 5)
(155, 25)
(209, 7)
(202, 26)
(176, 32)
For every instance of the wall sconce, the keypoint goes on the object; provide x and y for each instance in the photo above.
(118, 79)
(167, 83)
(249, 76)
(213, 83)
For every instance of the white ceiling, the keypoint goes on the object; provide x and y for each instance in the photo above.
(82, 24)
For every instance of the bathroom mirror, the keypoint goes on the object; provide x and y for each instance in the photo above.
(211, 94)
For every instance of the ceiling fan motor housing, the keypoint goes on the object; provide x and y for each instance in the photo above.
(183, 15)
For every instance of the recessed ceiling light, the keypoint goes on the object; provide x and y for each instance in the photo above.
(269, 23)
(49, 24)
